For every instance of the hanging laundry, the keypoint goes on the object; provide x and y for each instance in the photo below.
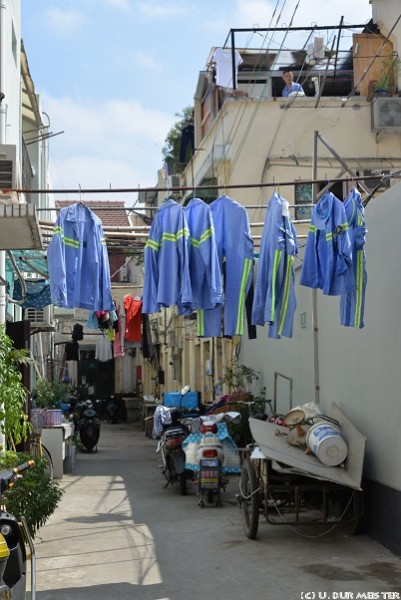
(327, 261)
(103, 352)
(72, 351)
(78, 332)
(274, 297)
(133, 319)
(148, 348)
(78, 261)
(118, 344)
(234, 247)
(224, 66)
(92, 322)
(204, 264)
(38, 293)
(166, 261)
(352, 304)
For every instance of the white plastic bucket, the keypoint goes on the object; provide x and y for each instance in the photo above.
(326, 443)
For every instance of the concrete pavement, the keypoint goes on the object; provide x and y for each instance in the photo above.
(119, 533)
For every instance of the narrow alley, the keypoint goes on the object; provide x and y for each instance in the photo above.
(118, 533)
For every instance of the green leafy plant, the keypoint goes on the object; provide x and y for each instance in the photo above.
(47, 393)
(13, 394)
(171, 149)
(35, 495)
(240, 380)
(389, 73)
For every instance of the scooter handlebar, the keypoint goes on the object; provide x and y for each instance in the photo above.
(9, 476)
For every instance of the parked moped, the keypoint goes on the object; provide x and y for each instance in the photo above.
(169, 446)
(211, 453)
(14, 536)
(89, 427)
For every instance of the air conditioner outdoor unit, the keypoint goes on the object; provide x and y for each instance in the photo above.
(40, 317)
(8, 158)
(174, 181)
(386, 114)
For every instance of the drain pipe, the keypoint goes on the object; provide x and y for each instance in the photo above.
(2, 141)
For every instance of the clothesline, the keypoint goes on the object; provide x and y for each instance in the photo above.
(273, 184)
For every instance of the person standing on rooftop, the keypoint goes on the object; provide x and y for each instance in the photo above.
(291, 88)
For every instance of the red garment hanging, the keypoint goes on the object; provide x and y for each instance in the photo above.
(133, 318)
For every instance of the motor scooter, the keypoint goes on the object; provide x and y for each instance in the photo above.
(169, 445)
(14, 539)
(211, 453)
(89, 427)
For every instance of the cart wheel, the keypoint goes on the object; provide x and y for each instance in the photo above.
(358, 525)
(250, 500)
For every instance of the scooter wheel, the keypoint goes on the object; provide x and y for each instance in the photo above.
(201, 504)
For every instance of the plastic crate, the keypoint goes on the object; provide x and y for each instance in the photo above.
(190, 401)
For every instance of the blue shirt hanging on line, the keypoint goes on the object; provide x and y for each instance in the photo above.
(235, 247)
(274, 299)
(203, 257)
(352, 304)
(78, 261)
(327, 261)
(166, 259)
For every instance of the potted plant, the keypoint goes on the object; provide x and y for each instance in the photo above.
(48, 394)
(386, 84)
(240, 381)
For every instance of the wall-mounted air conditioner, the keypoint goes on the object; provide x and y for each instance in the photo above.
(174, 181)
(40, 317)
(386, 114)
(8, 159)
(381, 178)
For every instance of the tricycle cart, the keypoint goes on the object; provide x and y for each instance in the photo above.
(290, 487)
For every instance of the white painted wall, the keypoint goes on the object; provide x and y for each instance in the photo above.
(11, 83)
(359, 369)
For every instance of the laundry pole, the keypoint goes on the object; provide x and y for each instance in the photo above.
(315, 326)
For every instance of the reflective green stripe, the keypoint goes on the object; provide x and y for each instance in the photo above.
(312, 228)
(286, 294)
(182, 233)
(277, 257)
(205, 236)
(152, 244)
(70, 242)
(67, 241)
(200, 323)
(239, 328)
(359, 289)
(167, 237)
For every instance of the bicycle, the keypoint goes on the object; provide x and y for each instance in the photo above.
(36, 448)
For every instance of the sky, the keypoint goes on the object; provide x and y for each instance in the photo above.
(114, 75)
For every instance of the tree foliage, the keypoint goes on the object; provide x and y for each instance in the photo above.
(13, 393)
(171, 149)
